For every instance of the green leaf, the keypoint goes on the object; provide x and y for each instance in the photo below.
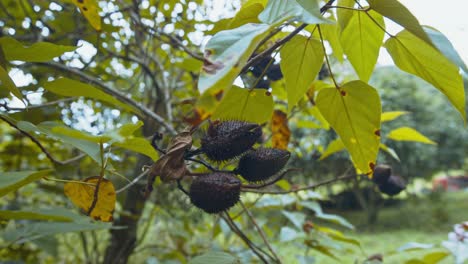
(278, 11)
(217, 257)
(247, 14)
(323, 249)
(435, 257)
(315, 206)
(288, 234)
(227, 52)
(399, 14)
(361, 40)
(390, 151)
(409, 134)
(413, 55)
(38, 52)
(253, 105)
(7, 82)
(331, 33)
(344, 15)
(12, 181)
(139, 145)
(56, 214)
(337, 235)
(33, 231)
(444, 46)
(410, 246)
(391, 115)
(90, 148)
(354, 113)
(296, 218)
(69, 87)
(301, 60)
(333, 147)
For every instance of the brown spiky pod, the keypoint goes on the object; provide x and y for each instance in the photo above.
(262, 163)
(215, 192)
(393, 186)
(229, 139)
(381, 174)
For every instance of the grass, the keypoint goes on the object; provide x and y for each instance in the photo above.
(418, 219)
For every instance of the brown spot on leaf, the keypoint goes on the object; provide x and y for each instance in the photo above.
(212, 67)
(84, 8)
(80, 1)
(219, 95)
(377, 132)
(371, 166)
(268, 93)
(343, 93)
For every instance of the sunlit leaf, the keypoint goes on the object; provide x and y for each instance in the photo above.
(409, 134)
(361, 40)
(89, 9)
(38, 52)
(333, 147)
(12, 181)
(331, 33)
(247, 14)
(215, 257)
(301, 60)
(278, 11)
(7, 82)
(69, 87)
(253, 105)
(397, 12)
(138, 145)
(354, 113)
(82, 195)
(435, 257)
(413, 55)
(392, 115)
(227, 52)
(280, 130)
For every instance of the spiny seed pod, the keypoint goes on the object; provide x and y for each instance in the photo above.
(262, 163)
(381, 174)
(393, 186)
(215, 192)
(229, 139)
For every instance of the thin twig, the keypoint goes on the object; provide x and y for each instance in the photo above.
(39, 144)
(109, 90)
(255, 249)
(326, 58)
(260, 232)
(133, 182)
(269, 182)
(305, 188)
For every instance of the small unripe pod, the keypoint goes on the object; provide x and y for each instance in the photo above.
(262, 163)
(381, 174)
(229, 139)
(215, 192)
(393, 186)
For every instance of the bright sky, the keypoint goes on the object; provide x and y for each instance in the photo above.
(449, 17)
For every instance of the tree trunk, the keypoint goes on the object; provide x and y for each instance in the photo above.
(123, 241)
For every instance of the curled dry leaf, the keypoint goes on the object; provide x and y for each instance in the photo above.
(82, 195)
(171, 166)
(280, 130)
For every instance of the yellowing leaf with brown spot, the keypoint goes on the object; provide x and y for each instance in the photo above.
(354, 112)
(280, 130)
(82, 195)
(89, 9)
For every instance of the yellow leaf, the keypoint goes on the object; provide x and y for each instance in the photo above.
(89, 9)
(332, 148)
(391, 115)
(354, 113)
(82, 195)
(409, 134)
(280, 130)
